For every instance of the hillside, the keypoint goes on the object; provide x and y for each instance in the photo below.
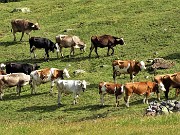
(148, 28)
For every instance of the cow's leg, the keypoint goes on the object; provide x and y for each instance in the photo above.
(117, 99)
(51, 89)
(108, 51)
(75, 98)
(102, 99)
(114, 76)
(14, 34)
(33, 87)
(18, 90)
(61, 52)
(71, 51)
(32, 49)
(91, 49)
(47, 54)
(127, 99)
(132, 77)
(1, 93)
(112, 51)
(22, 36)
(59, 97)
(145, 100)
(96, 52)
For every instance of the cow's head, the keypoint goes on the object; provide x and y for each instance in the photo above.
(2, 66)
(120, 41)
(82, 84)
(66, 73)
(159, 80)
(34, 26)
(141, 64)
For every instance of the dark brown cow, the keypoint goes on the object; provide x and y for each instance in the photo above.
(140, 88)
(105, 41)
(167, 81)
(24, 26)
(110, 88)
(131, 67)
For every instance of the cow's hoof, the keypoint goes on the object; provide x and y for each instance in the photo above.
(59, 104)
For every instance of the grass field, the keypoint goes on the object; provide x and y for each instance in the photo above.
(147, 26)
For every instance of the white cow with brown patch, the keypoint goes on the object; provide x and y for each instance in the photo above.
(131, 67)
(47, 75)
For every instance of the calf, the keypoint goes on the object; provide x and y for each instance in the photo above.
(110, 88)
(168, 80)
(66, 41)
(21, 68)
(105, 41)
(38, 42)
(70, 86)
(131, 67)
(12, 80)
(46, 75)
(140, 88)
(24, 26)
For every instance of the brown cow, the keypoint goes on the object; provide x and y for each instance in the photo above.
(67, 41)
(140, 88)
(131, 67)
(105, 41)
(24, 26)
(167, 81)
(110, 88)
(12, 80)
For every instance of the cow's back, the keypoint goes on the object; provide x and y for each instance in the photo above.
(19, 25)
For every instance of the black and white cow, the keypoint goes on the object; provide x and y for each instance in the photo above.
(21, 68)
(38, 42)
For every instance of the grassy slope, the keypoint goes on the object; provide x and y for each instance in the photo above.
(147, 27)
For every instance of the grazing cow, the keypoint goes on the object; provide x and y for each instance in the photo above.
(38, 42)
(2, 72)
(110, 88)
(105, 41)
(131, 67)
(21, 68)
(72, 42)
(70, 86)
(167, 81)
(140, 88)
(24, 26)
(46, 75)
(11, 80)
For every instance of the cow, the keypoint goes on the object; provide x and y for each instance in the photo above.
(140, 88)
(24, 26)
(105, 41)
(46, 75)
(168, 80)
(2, 72)
(131, 67)
(70, 86)
(21, 68)
(110, 88)
(11, 80)
(38, 42)
(67, 41)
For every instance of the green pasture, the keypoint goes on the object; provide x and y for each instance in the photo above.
(150, 29)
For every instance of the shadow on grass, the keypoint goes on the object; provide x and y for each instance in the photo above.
(44, 108)
(14, 96)
(172, 56)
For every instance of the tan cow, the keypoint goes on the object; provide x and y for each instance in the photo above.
(24, 26)
(131, 67)
(12, 80)
(67, 41)
(140, 88)
(46, 75)
(110, 88)
(168, 80)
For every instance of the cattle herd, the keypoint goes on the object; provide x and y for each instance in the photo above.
(20, 74)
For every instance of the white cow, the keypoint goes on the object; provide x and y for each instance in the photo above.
(12, 80)
(47, 75)
(70, 86)
(67, 41)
